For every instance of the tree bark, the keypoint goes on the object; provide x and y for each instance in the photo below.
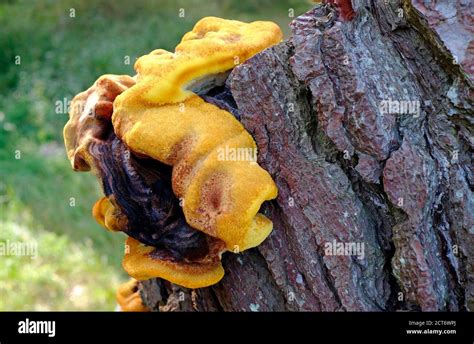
(351, 167)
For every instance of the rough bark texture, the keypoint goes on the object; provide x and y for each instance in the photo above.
(453, 20)
(351, 171)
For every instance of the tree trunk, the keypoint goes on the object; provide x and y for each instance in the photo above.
(334, 111)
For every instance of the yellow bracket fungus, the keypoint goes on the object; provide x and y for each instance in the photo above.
(214, 46)
(159, 118)
(129, 130)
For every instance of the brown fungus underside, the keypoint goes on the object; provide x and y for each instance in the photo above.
(140, 190)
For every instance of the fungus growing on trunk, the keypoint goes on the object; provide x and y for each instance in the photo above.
(139, 200)
(169, 180)
(161, 118)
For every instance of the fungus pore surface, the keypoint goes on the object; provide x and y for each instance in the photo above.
(178, 170)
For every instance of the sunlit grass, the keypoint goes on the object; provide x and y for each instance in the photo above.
(56, 198)
(79, 264)
(64, 275)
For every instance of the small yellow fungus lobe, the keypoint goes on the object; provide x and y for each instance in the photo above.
(143, 262)
(108, 216)
(128, 297)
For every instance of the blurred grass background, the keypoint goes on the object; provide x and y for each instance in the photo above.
(51, 50)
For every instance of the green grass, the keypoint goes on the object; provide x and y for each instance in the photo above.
(78, 264)
(61, 275)
(55, 198)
